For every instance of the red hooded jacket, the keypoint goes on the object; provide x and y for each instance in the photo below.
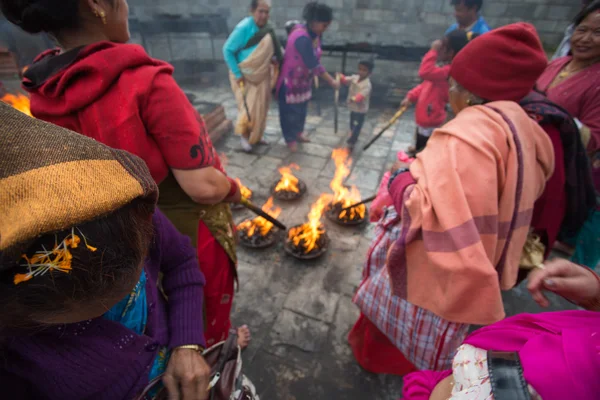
(431, 96)
(120, 96)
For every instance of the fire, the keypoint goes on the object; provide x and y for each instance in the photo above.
(344, 197)
(288, 182)
(245, 191)
(259, 224)
(18, 101)
(306, 236)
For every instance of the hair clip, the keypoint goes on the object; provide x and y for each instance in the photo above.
(57, 259)
(469, 36)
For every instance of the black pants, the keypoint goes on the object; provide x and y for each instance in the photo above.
(421, 142)
(356, 123)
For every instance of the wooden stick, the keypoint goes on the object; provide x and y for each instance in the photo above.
(389, 124)
(365, 201)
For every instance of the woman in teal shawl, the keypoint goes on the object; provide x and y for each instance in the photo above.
(252, 53)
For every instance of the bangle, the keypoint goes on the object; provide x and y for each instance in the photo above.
(233, 188)
(195, 347)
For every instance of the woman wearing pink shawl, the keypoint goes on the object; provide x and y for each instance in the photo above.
(464, 208)
(549, 356)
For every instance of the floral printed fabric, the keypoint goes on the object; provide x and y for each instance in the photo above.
(471, 375)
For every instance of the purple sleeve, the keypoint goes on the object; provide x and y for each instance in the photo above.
(305, 48)
(183, 284)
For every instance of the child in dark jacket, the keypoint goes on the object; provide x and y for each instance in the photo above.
(431, 96)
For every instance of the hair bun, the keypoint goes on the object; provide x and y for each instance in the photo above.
(309, 10)
(36, 16)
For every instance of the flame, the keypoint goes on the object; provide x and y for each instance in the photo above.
(244, 191)
(288, 182)
(249, 227)
(18, 101)
(306, 235)
(343, 196)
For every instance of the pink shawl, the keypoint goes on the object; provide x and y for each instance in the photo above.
(559, 351)
(465, 221)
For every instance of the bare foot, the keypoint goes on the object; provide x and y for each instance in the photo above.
(243, 336)
(303, 139)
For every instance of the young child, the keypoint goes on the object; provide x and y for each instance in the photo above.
(358, 99)
(431, 96)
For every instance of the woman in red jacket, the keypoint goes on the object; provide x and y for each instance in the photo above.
(431, 96)
(97, 85)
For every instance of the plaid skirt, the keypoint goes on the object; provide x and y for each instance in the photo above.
(426, 340)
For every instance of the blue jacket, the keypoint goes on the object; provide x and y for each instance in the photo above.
(480, 27)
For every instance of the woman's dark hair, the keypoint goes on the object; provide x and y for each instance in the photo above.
(121, 239)
(317, 12)
(254, 5)
(591, 8)
(36, 16)
(367, 64)
(468, 3)
(457, 39)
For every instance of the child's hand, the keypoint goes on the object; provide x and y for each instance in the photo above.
(437, 45)
(406, 103)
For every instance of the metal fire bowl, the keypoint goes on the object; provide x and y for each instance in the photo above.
(269, 240)
(289, 196)
(290, 249)
(332, 215)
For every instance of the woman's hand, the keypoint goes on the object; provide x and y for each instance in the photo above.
(187, 376)
(566, 279)
(236, 198)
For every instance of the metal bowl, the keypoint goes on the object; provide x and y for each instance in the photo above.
(316, 253)
(332, 214)
(257, 241)
(289, 196)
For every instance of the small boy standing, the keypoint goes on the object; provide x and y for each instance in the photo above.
(358, 99)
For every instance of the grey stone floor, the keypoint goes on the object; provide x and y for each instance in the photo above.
(301, 312)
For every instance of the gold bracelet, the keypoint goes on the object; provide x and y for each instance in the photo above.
(195, 347)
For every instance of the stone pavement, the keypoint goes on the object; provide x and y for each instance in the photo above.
(301, 312)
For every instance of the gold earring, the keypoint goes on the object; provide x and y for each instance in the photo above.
(103, 17)
(469, 102)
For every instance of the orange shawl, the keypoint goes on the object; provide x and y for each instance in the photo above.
(461, 235)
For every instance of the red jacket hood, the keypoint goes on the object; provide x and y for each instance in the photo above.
(63, 83)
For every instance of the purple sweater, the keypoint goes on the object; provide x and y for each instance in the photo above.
(101, 359)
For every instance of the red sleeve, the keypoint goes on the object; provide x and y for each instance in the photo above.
(398, 187)
(176, 126)
(429, 71)
(590, 117)
(414, 94)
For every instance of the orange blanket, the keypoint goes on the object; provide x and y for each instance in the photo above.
(462, 236)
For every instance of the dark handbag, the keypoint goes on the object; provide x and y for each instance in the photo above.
(225, 361)
(506, 376)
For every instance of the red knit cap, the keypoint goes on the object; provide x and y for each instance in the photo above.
(503, 64)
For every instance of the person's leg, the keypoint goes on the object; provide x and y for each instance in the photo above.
(357, 120)
(286, 119)
(302, 113)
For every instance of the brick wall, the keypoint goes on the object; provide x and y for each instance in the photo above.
(396, 22)
(405, 22)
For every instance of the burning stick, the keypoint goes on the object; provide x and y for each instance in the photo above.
(246, 203)
(244, 191)
(309, 240)
(288, 187)
(365, 201)
(18, 101)
(258, 232)
(343, 196)
(391, 122)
